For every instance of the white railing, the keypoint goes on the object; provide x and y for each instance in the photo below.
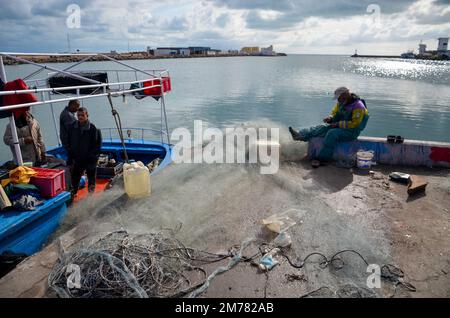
(99, 89)
(132, 134)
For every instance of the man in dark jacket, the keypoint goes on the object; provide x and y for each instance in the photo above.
(84, 145)
(67, 119)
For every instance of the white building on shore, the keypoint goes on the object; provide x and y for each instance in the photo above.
(443, 45)
(268, 51)
(169, 51)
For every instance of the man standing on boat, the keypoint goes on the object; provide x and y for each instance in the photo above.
(30, 139)
(67, 119)
(347, 120)
(84, 146)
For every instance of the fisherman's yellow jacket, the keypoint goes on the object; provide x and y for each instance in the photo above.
(349, 116)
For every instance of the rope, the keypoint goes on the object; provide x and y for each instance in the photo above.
(118, 122)
(236, 259)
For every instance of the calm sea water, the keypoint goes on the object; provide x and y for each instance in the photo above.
(405, 97)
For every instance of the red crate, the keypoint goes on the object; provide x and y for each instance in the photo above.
(50, 182)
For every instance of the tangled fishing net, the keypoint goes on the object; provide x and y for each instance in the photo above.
(124, 265)
(157, 265)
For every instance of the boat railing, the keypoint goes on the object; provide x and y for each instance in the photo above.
(140, 83)
(116, 74)
(135, 135)
(103, 89)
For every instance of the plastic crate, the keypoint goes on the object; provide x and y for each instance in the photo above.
(50, 182)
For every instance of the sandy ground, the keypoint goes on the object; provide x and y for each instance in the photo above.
(334, 209)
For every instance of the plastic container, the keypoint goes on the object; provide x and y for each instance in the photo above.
(137, 180)
(50, 182)
(364, 159)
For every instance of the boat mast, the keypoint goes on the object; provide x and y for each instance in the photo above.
(12, 122)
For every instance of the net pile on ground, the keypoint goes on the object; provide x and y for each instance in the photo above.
(123, 265)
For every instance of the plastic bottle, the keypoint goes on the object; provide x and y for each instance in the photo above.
(137, 180)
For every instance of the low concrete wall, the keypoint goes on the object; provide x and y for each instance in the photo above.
(410, 153)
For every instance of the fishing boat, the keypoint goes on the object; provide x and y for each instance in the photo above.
(25, 233)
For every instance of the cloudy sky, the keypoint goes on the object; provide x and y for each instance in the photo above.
(292, 26)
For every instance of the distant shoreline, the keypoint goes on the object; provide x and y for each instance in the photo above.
(430, 58)
(121, 57)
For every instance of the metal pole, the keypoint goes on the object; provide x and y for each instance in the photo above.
(66, 69)
(165, 114)
(124, 64)
(54, 69)
(12, 123)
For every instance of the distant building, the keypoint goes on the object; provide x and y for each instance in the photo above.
(254, 50)
(268, 51)
(213, 52)
(230, 52)
(199, 50)
(443, 45)
(442, 51)
(422, 49)
(171, 51)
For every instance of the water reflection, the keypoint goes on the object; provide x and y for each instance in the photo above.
(405, 97)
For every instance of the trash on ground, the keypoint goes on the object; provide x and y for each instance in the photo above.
(295, 277)
(267, 262)
(283, 240)
(277, 223)
(400, 177)
(376, 175)
(416, 185)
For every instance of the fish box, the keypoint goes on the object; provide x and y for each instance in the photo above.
(50, 182)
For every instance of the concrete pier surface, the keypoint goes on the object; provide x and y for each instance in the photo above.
(218, 206)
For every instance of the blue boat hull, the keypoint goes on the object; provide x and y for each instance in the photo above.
(27, 232)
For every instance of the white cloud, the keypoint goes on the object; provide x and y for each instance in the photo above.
(225, 24)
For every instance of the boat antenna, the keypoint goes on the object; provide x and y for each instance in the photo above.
(119, 127)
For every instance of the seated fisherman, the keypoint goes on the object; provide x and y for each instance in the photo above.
(84, 146)
(30, 139)
(347, 120)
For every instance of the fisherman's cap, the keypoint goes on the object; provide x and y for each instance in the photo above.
(341, 90)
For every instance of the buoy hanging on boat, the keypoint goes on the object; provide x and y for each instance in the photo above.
(156, 91)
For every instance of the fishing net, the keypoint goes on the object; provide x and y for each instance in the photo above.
(124, 265)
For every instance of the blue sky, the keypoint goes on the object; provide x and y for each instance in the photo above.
(292, 26)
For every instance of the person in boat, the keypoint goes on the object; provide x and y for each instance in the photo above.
(31, 142)
(66, 119)
(84, 146)
(347, 120)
